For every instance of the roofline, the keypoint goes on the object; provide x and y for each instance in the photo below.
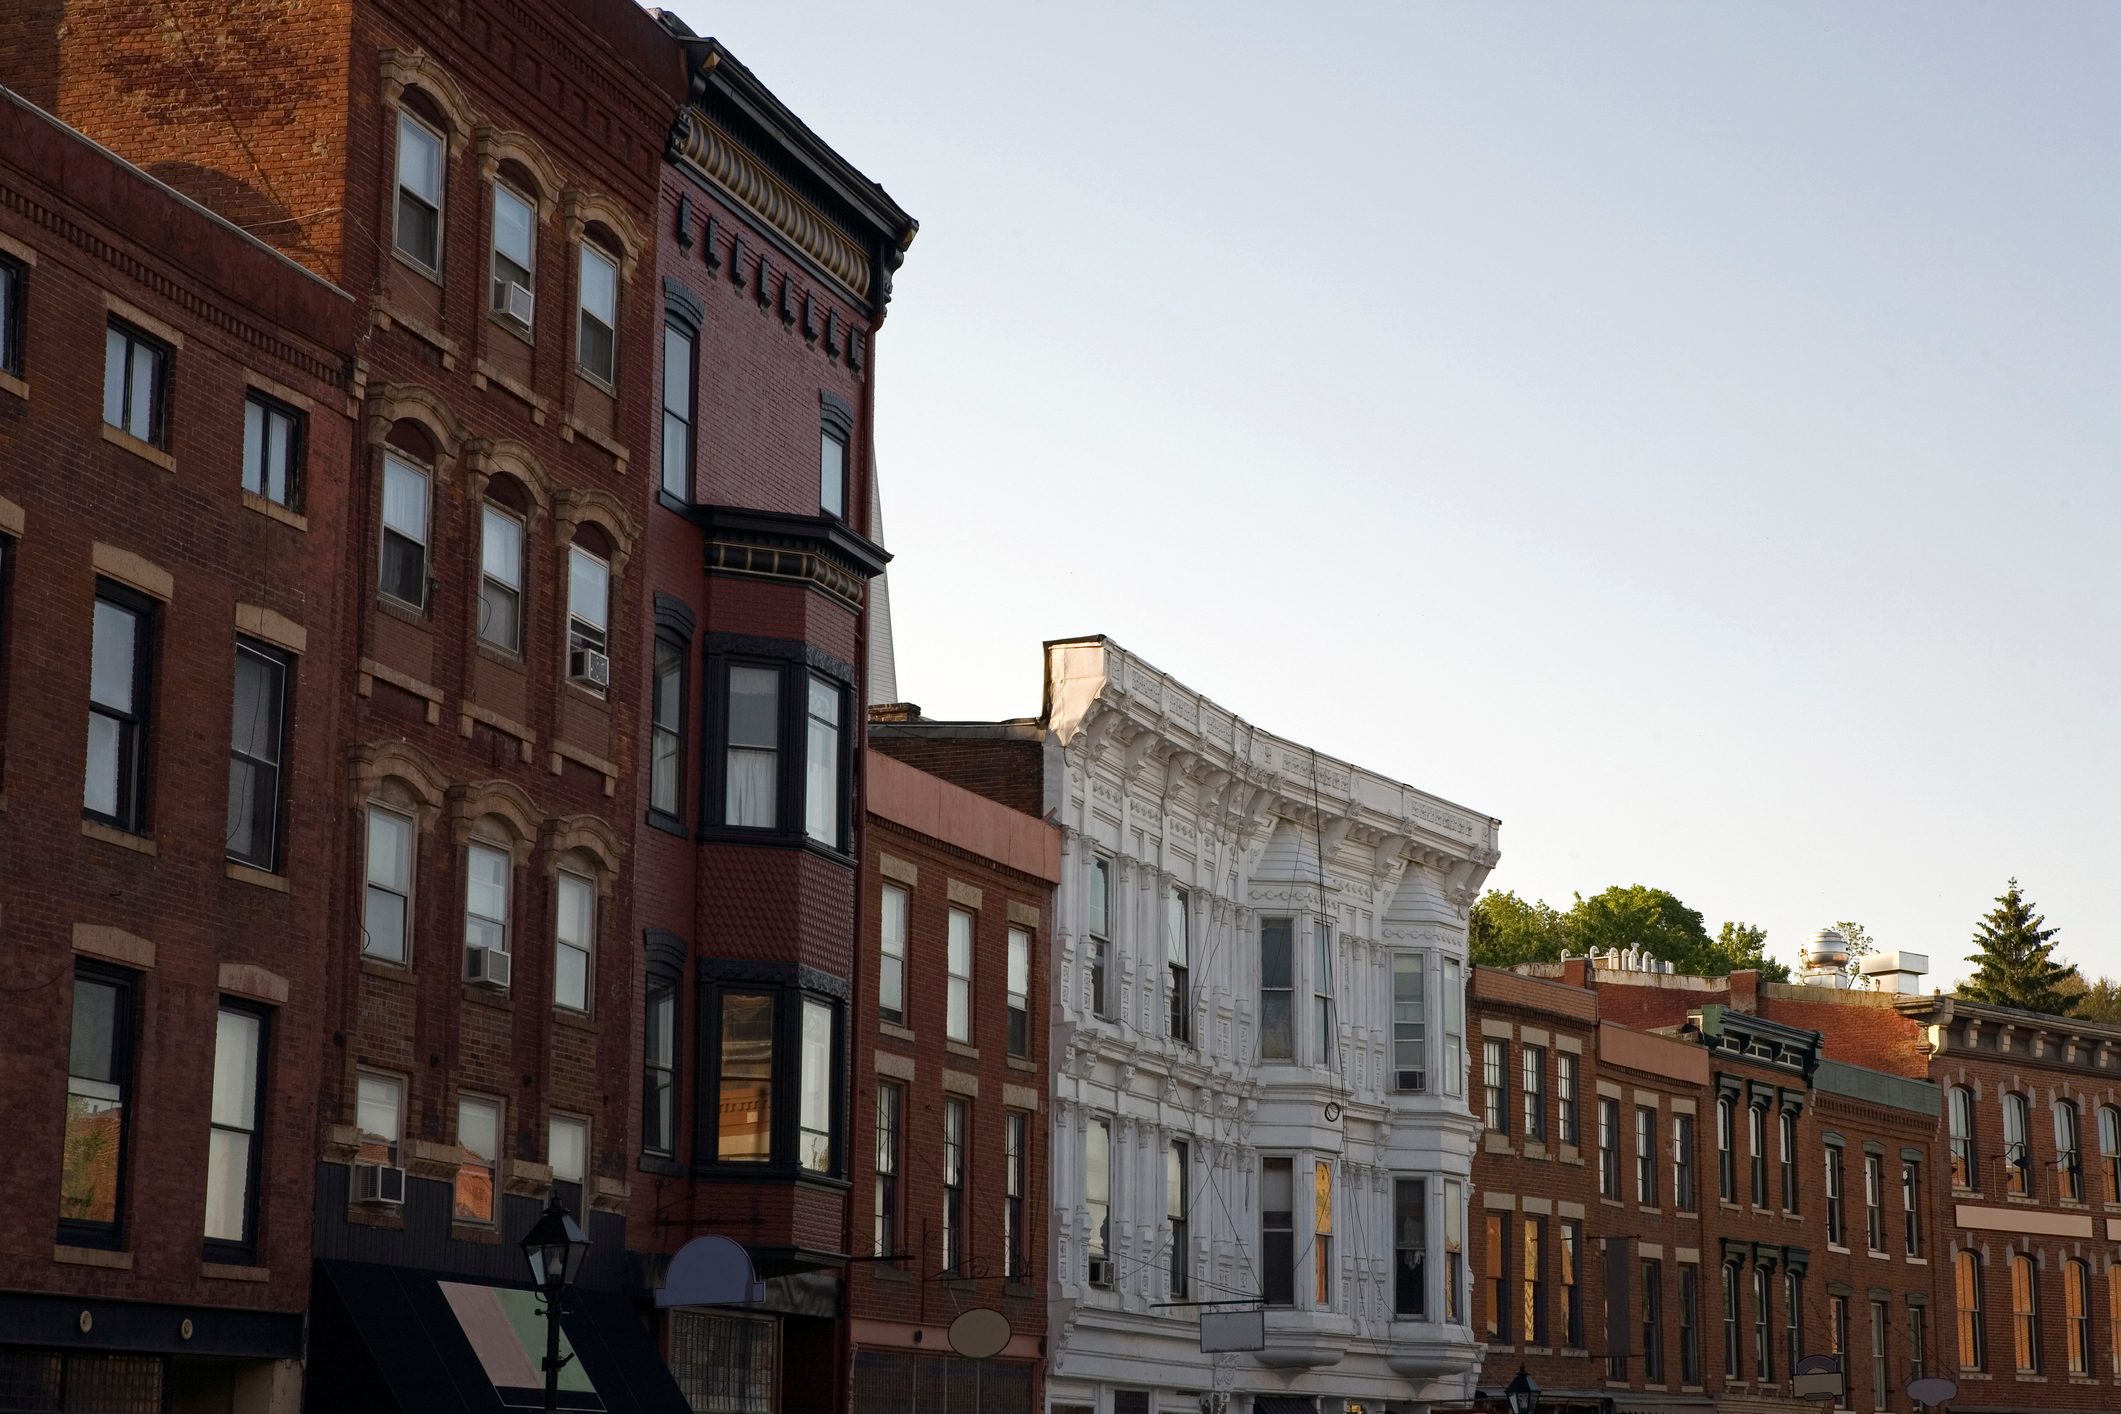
(167, 190)
(711, 63)
(1950, 1005)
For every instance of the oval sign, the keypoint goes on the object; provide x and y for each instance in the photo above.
(1932, 1391)
(979, 1333)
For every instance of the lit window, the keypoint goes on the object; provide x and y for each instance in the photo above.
(744, 1123)
(98, 1113)
(573, 935)
(1966, 1290)
(500, 579)
(419, 222)
(1322, 1236)
(232, 1151)
(386, 917)
(597, 343)
(402, 572)
(2025, 1314)
(272, 450)
(478, 1160)
(515, 226)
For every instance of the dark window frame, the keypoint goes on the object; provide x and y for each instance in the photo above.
(796, 663)
(790, 986)
(136, 727)
(836, 424)
(297, 448)
(125, 1024)
(665, 976)
(245, 1252)
(887, 1210)
(1016, 1178)
(14, 302)
(1410, 1249)
(284, 663)
(158, 395)
(682, 317)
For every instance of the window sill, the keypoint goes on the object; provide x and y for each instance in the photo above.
(500, 997)
(660, 1164)
(1611, 1202)
(484, 372)
(669, 824)
(233, 1271)
(895, 1031)
(92, 1257)
(672, 503)
(123, 839)
(259, 878)
(413, 614)
(1019, 1063)
(387, 970)
(273, 510)
(145, 451)
(959, 1048)
(2024, 1378)
(1831, 1247)
(575, 1020)
(9, 383)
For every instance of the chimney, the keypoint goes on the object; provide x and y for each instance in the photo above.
(1745, 990)
(1576, 971)
(894, 712)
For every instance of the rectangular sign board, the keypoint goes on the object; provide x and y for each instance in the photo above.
(1232, 1330)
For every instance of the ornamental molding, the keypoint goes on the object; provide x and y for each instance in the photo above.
(709, 152)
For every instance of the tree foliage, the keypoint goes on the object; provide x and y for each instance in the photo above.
(1506, 930)
(1861, 944)
(2014, 960)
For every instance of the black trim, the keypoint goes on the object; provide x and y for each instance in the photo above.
(159, 395)
(818, 534)
(794, 665)
(12, 317)
(284, 663)
(140, 1327)
(74, 1232)
(684, 227)
(836, 413)
(681, 304)
(297, 447)
(135, 754)
(678, 644)
(674, 613)
(666, 953)
(789, 985)
(245, 1252)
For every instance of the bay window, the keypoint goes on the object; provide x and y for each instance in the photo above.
(1277, 994)
(822, 810)
(1410, 1029)
(814, 1120)
(744, 1054)
(1410, 1248)
(779, 764)
(772, 1062)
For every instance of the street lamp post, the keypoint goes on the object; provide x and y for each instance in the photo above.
(1522, 1393)
(554, 1247)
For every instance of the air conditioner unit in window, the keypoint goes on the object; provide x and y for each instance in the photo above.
(1100, 1271)
(488, 967)
(513, 300)
(1415, 1080)
(590, 666)
(379, 1183)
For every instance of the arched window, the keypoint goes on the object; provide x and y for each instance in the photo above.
(2017, 1157)
(2110, 1154)
(1966, 1286)
(501, 564)
(2069, 1158)
(2025, 1315)
(589, 609)
(422, 171)
(1965, 1172)
(2077, 1309)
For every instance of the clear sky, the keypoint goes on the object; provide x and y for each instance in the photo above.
(1687, 432)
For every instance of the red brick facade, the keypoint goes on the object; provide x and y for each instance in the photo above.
(106, 1246)
(941, 858)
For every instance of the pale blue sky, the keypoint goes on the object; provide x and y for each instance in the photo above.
(1687, 432)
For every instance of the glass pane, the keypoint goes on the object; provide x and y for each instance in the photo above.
(254, 447)
(1275, 964)
(669, 681)
(389, 849)
(95, 1131)
(1019, 962)
(405, 499)
(751, 790)
(99, 791)
(677, 374)
(227, 1184)
(816, 1118)
(419, 160)
(577, 910)
(571, 982)
(832, 476)
(754, 706)
(600, 287)
(419, 229)
(236, 1039)
(512, 226)
(821, 789)
(487, 894)
(255, 722)
(114, 347)
(588, 587)
(744, 1122)
(111, 654)
(663, 772)
(824, 702)
(501, 547)
(279, 455)
(570, 1149)
(93, 1054)
(596, 347)
(500, 616)
(140, 392)
(383, 925)
(478, 1129)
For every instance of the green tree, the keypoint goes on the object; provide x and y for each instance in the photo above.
(1639, 916)
(2014, 960)
(1861, 944)
(1504, 930)
(1743, 945)
(2096, 1001)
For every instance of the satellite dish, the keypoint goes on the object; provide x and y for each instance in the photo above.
(980, 1333)
(1932, 1391)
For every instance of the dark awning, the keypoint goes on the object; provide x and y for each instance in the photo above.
(390, 1338)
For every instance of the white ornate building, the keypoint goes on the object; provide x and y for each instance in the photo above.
(1259, 1062)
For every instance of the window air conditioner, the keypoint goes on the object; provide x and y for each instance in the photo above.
(513, 300)
(488, 967)
(590, 666)
(1414, 1080)
(1100, 1271)
(379, 1183)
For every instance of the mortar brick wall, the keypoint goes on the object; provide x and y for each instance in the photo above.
(91, 230)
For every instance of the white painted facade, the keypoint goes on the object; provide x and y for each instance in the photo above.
(1168, 796)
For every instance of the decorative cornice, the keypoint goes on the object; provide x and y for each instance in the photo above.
(708, 151)
(814, 549)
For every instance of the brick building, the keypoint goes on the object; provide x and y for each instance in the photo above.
(2029, 1288)
(174, 426)
(1791, 1208)
(950, 1092)
(773, 266)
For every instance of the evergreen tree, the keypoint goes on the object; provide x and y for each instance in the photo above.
(2014, 961)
